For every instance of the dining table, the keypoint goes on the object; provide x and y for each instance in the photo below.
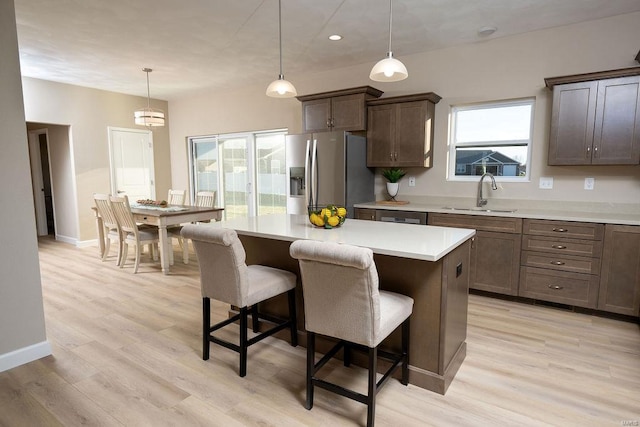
(163, 217)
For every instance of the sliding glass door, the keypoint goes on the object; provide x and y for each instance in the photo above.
(271, 173)
(246, 170)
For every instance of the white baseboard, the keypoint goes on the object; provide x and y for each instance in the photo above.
(66, 239)
(86, 243)
(24, 355)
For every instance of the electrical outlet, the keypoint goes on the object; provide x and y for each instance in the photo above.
(412, 181)
(546, 183)
(589, 183)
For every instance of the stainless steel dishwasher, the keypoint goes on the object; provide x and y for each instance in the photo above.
(402, 217)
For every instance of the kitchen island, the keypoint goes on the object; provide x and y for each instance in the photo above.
(429, 264)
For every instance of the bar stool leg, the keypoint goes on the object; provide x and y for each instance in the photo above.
(311, 352)
(291, 295)
(243, 341)
(372, 389)
(254, 318)
(206, 321)
(405, 352)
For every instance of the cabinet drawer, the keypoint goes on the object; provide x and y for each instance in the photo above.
(563, 262)
(551, 245)
(575, 230)
(366, 214)
(559, 286)
(481, 223)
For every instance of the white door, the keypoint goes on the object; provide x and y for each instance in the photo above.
(131, 153)
(37, 181)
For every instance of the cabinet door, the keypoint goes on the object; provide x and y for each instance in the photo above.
(412, 143)
(316, 115)
(572, 123)
(380, 135)
(348, 112)
(616, 139)
(620, 276)
(495, 262)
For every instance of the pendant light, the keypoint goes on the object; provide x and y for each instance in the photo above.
(389, 69)
(148, 116)
(281, 88)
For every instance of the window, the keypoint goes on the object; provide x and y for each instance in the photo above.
(233, 165)
(491, 137)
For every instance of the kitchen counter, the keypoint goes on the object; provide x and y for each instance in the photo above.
(623, 214)
(413, 241)
(430, 264)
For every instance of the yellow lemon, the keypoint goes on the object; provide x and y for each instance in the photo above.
(316, 220)
(325, 212)
(342, 212)
(333, 221)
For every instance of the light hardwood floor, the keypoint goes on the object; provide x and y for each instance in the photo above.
(127, 351)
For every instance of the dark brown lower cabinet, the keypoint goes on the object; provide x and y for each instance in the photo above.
(495, 250)
(495, 262)
(620, 275)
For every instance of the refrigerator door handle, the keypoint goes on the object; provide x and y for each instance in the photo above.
(314, 173)
(307, 172)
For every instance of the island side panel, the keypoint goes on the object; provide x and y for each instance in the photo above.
(455, 303)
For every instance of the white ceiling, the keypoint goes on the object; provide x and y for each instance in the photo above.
(198, 44)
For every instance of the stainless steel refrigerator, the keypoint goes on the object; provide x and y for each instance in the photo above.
(327, 168)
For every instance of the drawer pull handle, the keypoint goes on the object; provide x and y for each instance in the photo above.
(560, 230)
(555, 287)
(557, 262)
(558, 247)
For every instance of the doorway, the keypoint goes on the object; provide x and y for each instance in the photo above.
(41, 181)
(131, 154)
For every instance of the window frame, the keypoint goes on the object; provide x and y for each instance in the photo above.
(453, 144)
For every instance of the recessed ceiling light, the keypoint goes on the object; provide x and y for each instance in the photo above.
(335, 37)
(486, 31)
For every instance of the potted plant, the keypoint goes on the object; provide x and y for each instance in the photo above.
(393, 175)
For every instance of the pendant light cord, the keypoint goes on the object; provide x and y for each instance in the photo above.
(280, 34)
(148, 70)
(148, 95)
(390, 19)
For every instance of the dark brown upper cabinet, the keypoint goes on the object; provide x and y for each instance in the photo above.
(595, 118)
(337, 110)
(400, 131)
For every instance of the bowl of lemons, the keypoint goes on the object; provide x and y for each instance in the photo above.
(330, 217)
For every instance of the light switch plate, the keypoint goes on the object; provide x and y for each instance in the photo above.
(412, 181)
(546, 183)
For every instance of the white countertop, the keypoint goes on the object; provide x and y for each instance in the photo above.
(402, 240)
(567, 211)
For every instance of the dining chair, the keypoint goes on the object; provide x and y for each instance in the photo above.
(176, 197)
(225, 277)
(110, 224)
(206, 199)
(342, 300)
(131, 233)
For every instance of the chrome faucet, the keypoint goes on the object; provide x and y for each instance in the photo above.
(481, 202)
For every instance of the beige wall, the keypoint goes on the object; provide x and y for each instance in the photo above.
(88, 112)
(502, 68)
(22, 330)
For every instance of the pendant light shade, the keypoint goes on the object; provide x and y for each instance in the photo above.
(281, 88)
(148, 116)
(389, 69)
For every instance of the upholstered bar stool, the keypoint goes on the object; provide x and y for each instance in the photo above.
(224, 276)
(342, 300)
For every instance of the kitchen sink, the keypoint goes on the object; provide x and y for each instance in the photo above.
(477, 209)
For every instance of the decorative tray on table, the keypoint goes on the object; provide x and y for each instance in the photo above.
(149, 202)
